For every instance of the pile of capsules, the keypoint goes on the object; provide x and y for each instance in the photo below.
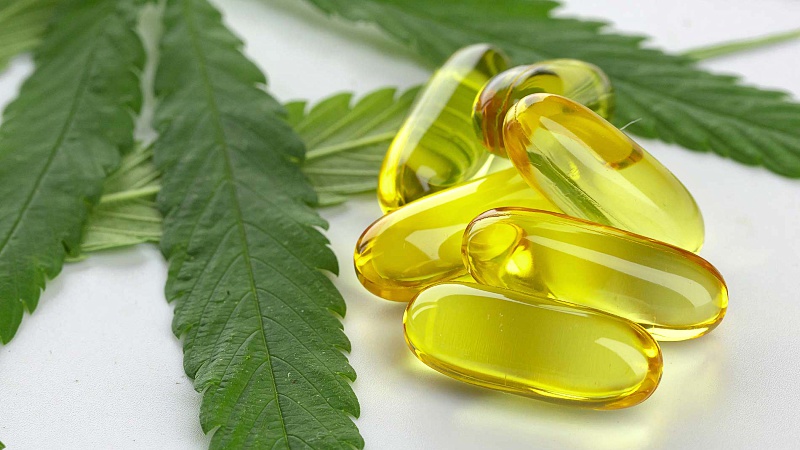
(552, 278)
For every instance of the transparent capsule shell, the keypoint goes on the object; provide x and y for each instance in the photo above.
(672, 293)
(436, 147)
(419, 244)
(578, 80)
(533, 346)
(592, 170)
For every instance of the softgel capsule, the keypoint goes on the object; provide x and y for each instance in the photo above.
(532, 345)
(674, 294)
(436, 147)
(592, 170)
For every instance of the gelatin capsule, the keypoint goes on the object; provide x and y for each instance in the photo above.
(580, 81)
(533, 346)
(672, 293)
(592, 170)
(436, 146)
(420, 244)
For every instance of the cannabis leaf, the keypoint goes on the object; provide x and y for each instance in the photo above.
(668, 96)
(22, 23)
(126, 214)
(346, 144)
(58, 141)
(253, 306)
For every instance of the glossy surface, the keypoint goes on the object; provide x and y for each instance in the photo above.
(592, 170)
(436, 147)
(533, 346)
(420, 244)
(580, 81)
(672, 293)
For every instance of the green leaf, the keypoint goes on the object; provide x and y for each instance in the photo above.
(126, 214)
(58, 142)
(22, 24)
(246, 258)
(348, 140)
(667, 95)
(346, 144)
(2, 446)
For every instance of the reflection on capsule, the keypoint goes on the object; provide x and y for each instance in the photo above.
(420, 244)
(532, 345)
(672, 293)
(592, 170)
(436, 146)
(580, 81)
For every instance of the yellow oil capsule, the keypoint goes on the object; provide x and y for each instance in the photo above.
(592, 170)
(436, 146)
(672, 293)
(420, 244)
(533, 346)
(580, 81)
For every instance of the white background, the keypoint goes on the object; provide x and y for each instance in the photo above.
(97, 366)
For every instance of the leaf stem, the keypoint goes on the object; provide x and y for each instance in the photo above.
(331, 149)
(131, 194)
(727, 48)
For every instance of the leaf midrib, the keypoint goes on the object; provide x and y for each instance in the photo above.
(222, 142)
(79, 93)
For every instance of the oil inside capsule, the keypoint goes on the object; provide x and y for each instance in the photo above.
(533, 346)
(592, 170)
(672, 293)
(580, 81)
(420, 244)
(436, 146)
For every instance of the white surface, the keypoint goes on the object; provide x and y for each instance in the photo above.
(96, 366)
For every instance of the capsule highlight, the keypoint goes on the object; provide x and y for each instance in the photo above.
(419, 244)
(672, 293)
(580, 81)
(436, 146)
(533, 346)
(592, 170)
